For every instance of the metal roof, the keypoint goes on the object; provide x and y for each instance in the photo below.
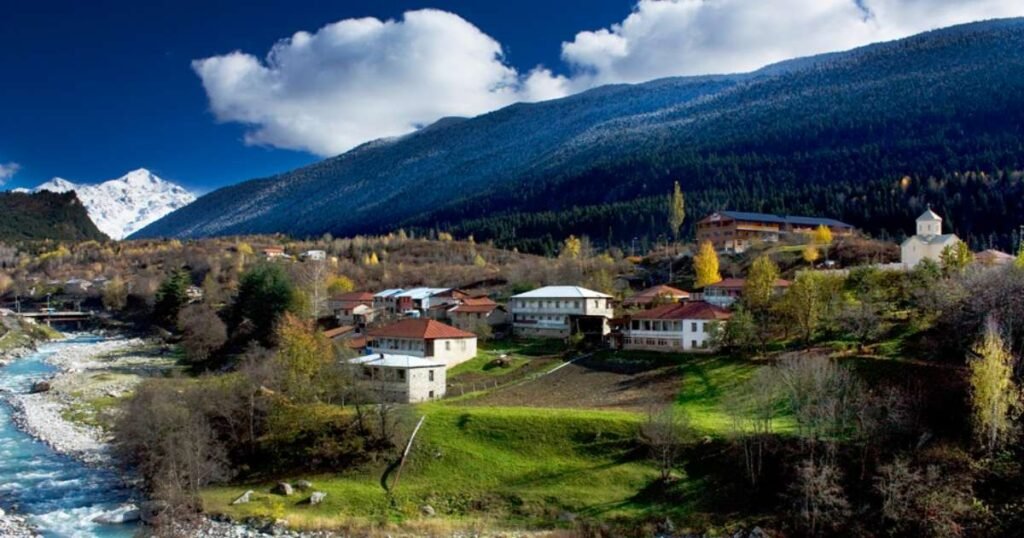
(788, 219)
(422, 293)
(562, 292)
(388, 360)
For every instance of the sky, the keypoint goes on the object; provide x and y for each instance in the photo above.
(209, 93)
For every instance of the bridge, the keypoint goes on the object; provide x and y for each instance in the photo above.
(58, 316)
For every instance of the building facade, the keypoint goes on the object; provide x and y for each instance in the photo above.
(424, 338)
(736, 231)
(469, 315)
(689, 327)
(929, 242)
(560, 311)
(401, 378)
(726, 292)
(656, 296)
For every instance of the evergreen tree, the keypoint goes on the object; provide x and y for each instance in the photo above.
(171, 296)
(677, 211)
(264, 294)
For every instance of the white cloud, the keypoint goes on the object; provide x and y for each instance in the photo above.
(7, 171)
(361, 79)
(663, 38)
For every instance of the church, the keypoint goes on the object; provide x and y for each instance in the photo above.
(929, 241)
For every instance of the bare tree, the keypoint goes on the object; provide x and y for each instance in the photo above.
(203, 332)
(665, 431)
(819, 497)
(752, 411)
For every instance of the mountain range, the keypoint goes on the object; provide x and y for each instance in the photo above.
(122, 206)
(870, 136)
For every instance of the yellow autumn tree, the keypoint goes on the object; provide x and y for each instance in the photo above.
(705, 265)
(572, 248)
(811, 254)
(339, 284)
(995, 399)
(822, 235)
(302, 354)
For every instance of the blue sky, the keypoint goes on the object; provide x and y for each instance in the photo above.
(92, 89)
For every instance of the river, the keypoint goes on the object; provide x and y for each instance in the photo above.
(58, 494)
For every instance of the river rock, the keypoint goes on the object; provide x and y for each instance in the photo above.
(283, 488)
(428, 510)
(244, 498)
(317, 497)
(304, 485)
(40, 386)
(128, 513)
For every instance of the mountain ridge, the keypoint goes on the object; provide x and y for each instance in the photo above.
(930, 104)
(122, 206)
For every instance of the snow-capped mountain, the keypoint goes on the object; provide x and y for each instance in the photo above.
(121, 206)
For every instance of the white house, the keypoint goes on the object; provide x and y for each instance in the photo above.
(425, 338)
(402, 378)
(559, 311)
(675, 327)
(928, 243)
(314, 255)
(421, 300)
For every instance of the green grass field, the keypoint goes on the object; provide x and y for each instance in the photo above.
(518, 466)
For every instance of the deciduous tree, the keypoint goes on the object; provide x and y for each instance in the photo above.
(995, 398)
(677, 211)
(705, 264)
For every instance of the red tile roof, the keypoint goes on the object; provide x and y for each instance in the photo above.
(478, 301)
(361, 296)
(694, 310)
(340, 331)
(475, 308)
(420, 329)
(649, 295)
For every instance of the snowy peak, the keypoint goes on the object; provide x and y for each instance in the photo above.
(122, 206)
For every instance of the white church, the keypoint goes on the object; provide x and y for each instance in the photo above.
(929, 241)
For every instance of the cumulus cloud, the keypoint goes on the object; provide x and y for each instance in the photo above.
(361, 79)
(662, 38)
(7, 171)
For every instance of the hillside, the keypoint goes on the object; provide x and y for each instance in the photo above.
(45, 215)
(834, 134)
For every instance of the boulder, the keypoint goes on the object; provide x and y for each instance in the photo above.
(567, 516)
(40, 386)
(304, 485)
(317, 497)
(128, 513)
(283, 488)
(427, 510)
(244, 498)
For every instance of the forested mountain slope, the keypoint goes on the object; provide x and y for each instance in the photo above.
(45, 215)
(834, 135)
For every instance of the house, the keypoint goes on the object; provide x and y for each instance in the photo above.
(386, 302)
(735, 231)
(658, 295)
(77, 286)
(353, 308)
(314, 255)
(401, 378)
(271, 253)
(425, 338)
(992, 257)
(929, 242)
(687, 327)
(475, 311)
(726, 292)
(559, 311)
(421, 300)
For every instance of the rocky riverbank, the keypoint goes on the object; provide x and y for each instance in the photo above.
(14, 526)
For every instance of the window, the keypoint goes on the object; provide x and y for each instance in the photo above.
(447, 345)
(693, 326)
(431, 395)
(401, 375)
(430, 375)
(693, 344)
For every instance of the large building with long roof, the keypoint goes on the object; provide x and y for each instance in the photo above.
(560, 311)
(735, 231)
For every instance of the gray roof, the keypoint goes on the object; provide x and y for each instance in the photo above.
(788, 219)
(933, 239)
(929, 215)
(388, 360)
(562, 292)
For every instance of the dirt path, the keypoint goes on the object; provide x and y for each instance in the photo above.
(590, 384)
